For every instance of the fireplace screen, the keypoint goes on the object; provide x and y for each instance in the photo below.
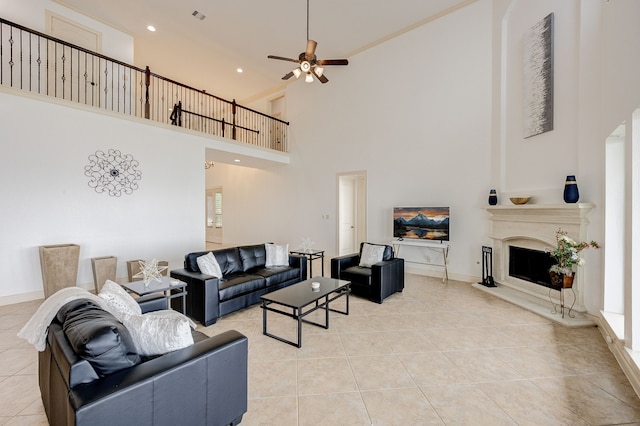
(530, 265)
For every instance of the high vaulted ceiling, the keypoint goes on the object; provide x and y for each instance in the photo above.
(241, 33)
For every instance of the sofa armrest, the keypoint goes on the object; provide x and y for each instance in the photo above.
(202, 295)
(389, 275)
(203, 384)
(298, 261)
(340, 263)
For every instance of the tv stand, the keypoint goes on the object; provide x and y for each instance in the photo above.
(440, 246)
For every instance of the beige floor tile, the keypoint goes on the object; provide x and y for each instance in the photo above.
(462, 404)
(31, 420)
(332, 409)
(380, 372)
(13, 361)
(17, 393)
(400, 407)
(527, 405)
(432, 369)
(325, 375)
(591, 403)
(272, 412)
(481, 366)
(321, 346)
(364, 344)
(408, 341)
(272, 379)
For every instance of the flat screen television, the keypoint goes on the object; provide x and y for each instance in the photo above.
(421, 223)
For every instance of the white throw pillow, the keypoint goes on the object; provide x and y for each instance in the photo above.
(277, 255)
(208, 265)
(120, 302)
(159, 332)
(371, 255)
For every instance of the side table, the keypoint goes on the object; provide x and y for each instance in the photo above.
(311, 255)
(171, 288)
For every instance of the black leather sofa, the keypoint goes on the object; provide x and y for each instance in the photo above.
(376, 283)
(203, 384)
(244, 279)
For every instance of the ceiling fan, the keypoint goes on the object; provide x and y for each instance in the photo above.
(308, 62)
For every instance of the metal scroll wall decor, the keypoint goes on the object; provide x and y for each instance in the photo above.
(113, 172)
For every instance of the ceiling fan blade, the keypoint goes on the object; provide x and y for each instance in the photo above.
(324, 62)
(288, 76)
(323, 78)
(311, 50)
(281, 58)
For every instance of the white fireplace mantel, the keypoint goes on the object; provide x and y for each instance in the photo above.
(534, 226)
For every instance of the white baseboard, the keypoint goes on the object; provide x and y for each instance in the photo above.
(36, 295)
(628, 360)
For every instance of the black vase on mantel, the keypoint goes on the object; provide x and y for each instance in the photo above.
(571, 194)
(493, 197)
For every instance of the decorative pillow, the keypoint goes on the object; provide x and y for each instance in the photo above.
(119, 301)
(371, 254)
(159, 332)
(97, 336)
(209, 265)
(277, 255)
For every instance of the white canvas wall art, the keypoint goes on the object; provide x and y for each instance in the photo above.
(538, 78)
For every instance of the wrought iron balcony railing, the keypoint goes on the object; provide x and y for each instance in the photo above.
(36, 62)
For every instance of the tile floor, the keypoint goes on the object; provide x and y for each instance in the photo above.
(434, 354)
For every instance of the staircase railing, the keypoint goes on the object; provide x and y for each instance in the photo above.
(39, 63)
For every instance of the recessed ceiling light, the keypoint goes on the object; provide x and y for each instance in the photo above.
(236, 160)
(239, 70)
(151, 28)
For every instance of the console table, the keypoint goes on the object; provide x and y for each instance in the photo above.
(440, 247)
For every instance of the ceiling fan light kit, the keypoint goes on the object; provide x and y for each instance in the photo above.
(308, 61)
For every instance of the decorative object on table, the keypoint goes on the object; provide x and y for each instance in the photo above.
(493, 197)
(113, 172)
(307, 244)
(59, 264)
(520, 200)
(567, 257)
(538, 78)
(315, 286)
(104, 268)
(571, 193)
(487, 267)
(150, 271)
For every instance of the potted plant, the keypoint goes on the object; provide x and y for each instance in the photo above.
(567, 257)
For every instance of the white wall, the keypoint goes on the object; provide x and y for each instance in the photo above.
(31, 14)
(413, 112)
(46, 198)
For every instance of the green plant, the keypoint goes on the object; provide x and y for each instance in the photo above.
(567, 253)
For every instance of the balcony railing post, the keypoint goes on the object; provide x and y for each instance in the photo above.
(147, 83)
(233, 112)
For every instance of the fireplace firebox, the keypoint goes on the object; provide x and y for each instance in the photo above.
(530, 265)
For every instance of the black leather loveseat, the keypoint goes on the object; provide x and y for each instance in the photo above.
(202, 384)
(244, 279)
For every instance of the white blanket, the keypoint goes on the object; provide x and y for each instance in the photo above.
(35, 330)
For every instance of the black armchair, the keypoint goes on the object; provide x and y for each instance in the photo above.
(376, 283)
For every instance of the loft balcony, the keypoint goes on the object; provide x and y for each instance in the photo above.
(38, 63)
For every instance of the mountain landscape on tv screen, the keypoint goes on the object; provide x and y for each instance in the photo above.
(414, 223)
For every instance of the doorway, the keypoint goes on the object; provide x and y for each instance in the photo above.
(352, 211)
(213, 223)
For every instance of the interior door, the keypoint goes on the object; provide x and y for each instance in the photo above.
(351, 212)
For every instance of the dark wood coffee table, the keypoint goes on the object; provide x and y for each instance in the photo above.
(303, 300)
